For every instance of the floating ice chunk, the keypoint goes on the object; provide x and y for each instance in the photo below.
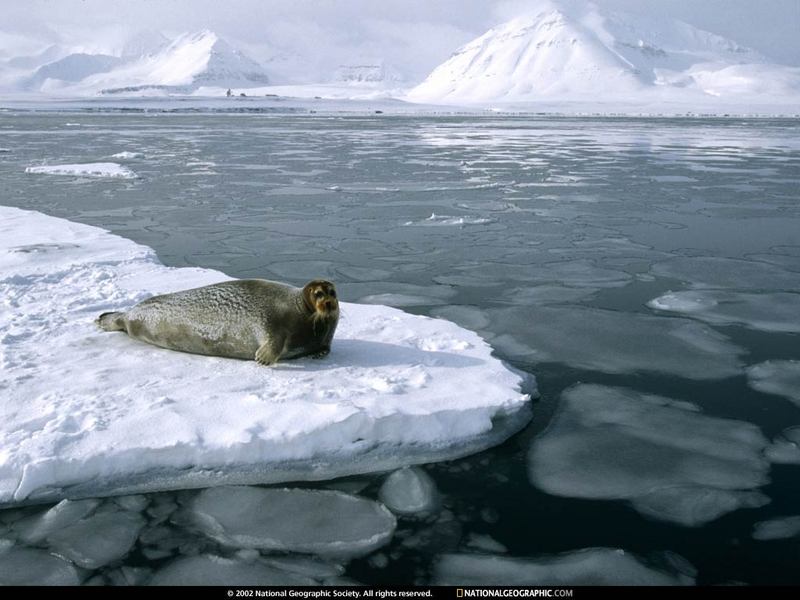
(25, 566)
(135, 503)
(573, 273)
(123, 417)
(485, 543)
(34, 529)
(785, 449)
(326, 523)
(692, 506)
(215, 570)
(449, 221)
(728, 273)
(400, 300)
(768, 311)
(409, 491)
(109, 170)
(783, 452)
(605, 340)
(4, 150)
(307, 567)
(592, 566)
(779, 377)
(546, 294)
(127, 155)
(671, 461)
(98, 540)
(129, 576)
(777, 529)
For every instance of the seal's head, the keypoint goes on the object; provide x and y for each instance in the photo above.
(320, 298)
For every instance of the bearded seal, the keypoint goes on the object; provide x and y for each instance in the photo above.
(245, 318)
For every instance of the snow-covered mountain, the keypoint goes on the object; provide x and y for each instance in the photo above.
(145, 43)
(590, 55)
(72, 68)
(150, 63)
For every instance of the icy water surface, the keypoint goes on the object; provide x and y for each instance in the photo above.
(646, 270)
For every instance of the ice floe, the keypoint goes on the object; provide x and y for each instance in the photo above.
(669, 460)
(779, 312)
(103, 170)
(27, 566)
(449, 221)
(785, 449)
(120, 417)
(592, 566)
(215, 570)
(409, 491)
(728, 273)
(779, 377)
(322, 522)
(485, 543)
(38, 527)
(603, 340)
(97, 540)
(777, 529)
(125, 154)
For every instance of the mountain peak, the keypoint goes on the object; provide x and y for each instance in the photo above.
(583, 53)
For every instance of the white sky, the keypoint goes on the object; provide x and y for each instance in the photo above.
(413, 35)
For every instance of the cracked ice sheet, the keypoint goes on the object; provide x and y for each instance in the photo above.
(89, 413)
(665, 457)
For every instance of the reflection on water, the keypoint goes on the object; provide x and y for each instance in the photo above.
(654, 261)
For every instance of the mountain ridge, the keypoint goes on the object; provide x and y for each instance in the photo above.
(552, 53)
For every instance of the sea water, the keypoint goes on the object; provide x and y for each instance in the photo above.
(646, 270)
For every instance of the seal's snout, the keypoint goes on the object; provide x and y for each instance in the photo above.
(321, 298)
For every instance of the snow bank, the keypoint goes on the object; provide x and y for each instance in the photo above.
(89, 413)
(111, 170)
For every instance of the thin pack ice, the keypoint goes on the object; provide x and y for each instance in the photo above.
(88, 413)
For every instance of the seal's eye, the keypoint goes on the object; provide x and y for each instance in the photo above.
(319, 294)
(332, 293)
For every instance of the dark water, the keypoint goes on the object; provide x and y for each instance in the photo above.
(547, 235)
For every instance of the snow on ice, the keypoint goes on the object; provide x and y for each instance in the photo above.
(105, 169)
(89, 413)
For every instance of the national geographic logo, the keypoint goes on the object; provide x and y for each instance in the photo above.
(513, 593)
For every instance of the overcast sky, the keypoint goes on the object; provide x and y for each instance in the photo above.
(416, 35)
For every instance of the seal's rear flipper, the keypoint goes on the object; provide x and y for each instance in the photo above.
(111, 321)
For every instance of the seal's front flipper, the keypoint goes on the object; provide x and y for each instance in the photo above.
(323, 352)
(268, 353)
(111, 321)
